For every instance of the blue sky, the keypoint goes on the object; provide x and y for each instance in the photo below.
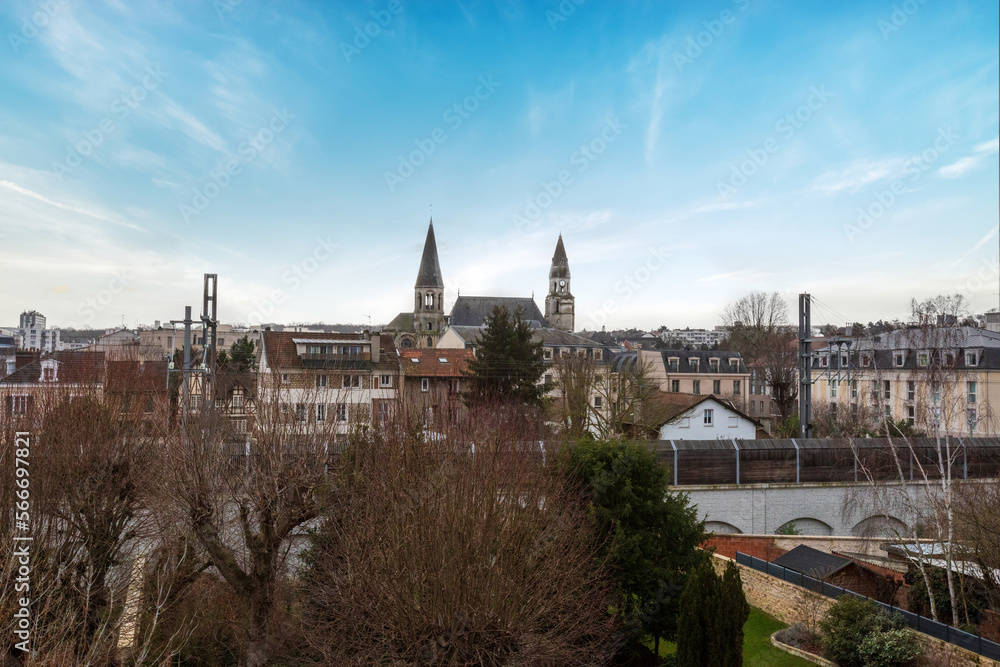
(688, 153)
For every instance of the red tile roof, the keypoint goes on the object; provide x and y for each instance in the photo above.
(435, 363)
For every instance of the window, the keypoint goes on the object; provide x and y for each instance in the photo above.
(352, 381)
(911, 390)
(385, 381)
(696, 387)
(49, 374)
(350, 349)
(597, 402)
(320, 412)
(300, 412)
(456, 385)
(317, 349)
(237, 401)
(923, 359)
(833, 388)
(548, 378)
(887, 389)
(898, 358)
(911, 415)
(709, 416)
(429, 300)
(219, 404)
(753, 406)
(241, 426)
(19, 406)
(713, 365)
(564, 352)
(972, 420)
(425, 384)
(430, 326)
(936, 391)
(675, 386)
(734, 365)
(430, 342)
(547, 353)
(284, 378)
(320, 381)
(382, 412)
(971, 358)
(716, 386)
(866, 360)
(672, 363)
(854, 388)
(598, 355)
(693, 362)
(342, 412)
(843, 361)
(736, 387)
(888, 412)
(762, 407)
(972, 393)
(824, 361)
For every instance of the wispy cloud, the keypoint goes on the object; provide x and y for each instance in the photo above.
(963, 165)
(983, 241)
(857, 175)
(66, 207)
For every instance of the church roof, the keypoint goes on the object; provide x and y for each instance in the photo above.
(472, 311)
(429, 274)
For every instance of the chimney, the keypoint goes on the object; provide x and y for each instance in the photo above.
(156, 324)
(11, 365)
(376, 352)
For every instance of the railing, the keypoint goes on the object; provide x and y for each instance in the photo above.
(952, 635)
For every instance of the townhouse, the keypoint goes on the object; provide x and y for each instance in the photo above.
(719, 373)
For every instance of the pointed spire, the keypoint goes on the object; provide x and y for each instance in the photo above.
(429, 274)
(560, 263)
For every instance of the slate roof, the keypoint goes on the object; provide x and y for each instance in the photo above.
(429, 274)
(684, 366)
(811, 562)
(75, 367)
(435, 362)
(473, 310)
(912, 341)
(548, 336)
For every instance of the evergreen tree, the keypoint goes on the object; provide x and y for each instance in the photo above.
(652, 535)
(242, 354)
(713, 610)
(508, 365)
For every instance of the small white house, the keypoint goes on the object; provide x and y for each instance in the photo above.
(694, 417)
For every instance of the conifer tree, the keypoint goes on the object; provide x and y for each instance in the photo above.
(713, 610)
(508, 365)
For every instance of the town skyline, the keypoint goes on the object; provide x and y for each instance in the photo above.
(848, 151)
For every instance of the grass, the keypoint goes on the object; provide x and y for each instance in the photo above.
(757, 648)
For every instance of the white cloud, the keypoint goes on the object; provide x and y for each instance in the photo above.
(963, 165)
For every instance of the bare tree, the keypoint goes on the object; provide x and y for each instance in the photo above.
(572, 405)
(245, 498)
(628, 394)
(458, 549)
(752, 320)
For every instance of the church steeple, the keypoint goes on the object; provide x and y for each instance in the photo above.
(559, 304)
(429, 274)
(428, 294)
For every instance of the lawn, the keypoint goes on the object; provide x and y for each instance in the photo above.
(757, 648)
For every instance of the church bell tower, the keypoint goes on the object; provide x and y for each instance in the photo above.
(559, 304)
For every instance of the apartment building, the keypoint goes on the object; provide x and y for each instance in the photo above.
(719, 373)
(320, 377)
(940, 380)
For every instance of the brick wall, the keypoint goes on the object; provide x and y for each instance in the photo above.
(759, 546)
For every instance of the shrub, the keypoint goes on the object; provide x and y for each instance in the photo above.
(849, 621)
(799, 636)
(889, 648)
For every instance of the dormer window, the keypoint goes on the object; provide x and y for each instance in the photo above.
(598, 355)
(713, 365)
(734, 364)
(923, 358)
(693, 363)
(672, 364)
(898, 358)
(866, 360)
(547, 353)
(971, 359)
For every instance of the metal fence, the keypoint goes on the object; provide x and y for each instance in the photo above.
(974, 643)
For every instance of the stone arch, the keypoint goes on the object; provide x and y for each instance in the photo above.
(879, 526)
(808, 526)
(721, 527)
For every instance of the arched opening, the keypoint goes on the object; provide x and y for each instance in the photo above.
(721, 527)
(879, 526)
(805, 526)
(430, 342)
(429, 299)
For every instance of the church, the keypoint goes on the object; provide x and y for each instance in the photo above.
(424, 326)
